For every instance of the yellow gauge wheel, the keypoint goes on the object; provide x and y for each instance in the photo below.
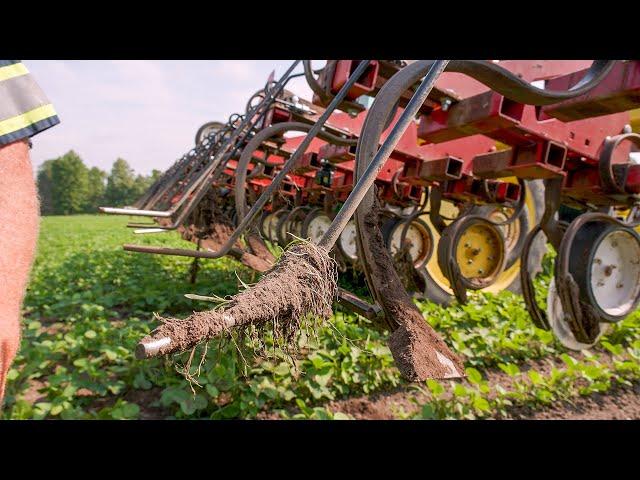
(512, 233)
(480, 252)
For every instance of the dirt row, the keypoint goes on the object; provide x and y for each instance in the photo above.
(622, 403)
(619, 404)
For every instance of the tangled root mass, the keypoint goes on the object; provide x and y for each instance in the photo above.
(303, 283)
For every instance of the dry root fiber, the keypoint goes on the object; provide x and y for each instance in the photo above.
(303, 282)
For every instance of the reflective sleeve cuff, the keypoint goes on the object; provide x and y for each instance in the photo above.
(24, 108)
(28, 129)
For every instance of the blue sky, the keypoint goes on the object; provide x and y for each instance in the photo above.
(145, 111)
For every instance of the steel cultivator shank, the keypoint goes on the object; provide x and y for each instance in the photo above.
(426, 179)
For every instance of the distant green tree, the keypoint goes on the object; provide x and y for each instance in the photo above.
(45, 187)
(121, 186)
(97, 188)
(70, 184)
(143, 183)
(155, 175)
(66, 186)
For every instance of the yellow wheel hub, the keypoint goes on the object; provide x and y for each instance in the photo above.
(505, 278)
(479, 252)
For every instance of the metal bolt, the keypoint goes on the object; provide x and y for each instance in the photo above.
(469, 262)
(467, 245)
(597, 260)
(446, 103)
(619, 285)
(480, 271)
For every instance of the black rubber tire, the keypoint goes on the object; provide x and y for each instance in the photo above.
(278, 214)
(207, 126)
(539, 247)
(307, 220)
(280, 235)
(388, 227)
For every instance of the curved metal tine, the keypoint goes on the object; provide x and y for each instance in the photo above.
(270, 190)
(191, 180)
(167, 180)
(193, 159)
(172, 186)
(200, 183)
(153, 193)
(195, 162)
(252, 118)
(360, 189)
(156, 190)
(141, 203)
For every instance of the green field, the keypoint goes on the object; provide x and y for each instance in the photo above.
(89, 302)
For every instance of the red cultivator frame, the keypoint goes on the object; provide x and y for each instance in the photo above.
(469, 166)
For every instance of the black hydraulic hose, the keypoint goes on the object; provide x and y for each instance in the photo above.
(610, 182)
(313, 83)
(513, 87)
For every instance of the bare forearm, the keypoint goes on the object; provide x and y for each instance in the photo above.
(19, 218)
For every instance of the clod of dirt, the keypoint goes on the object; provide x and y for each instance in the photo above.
(303, 282)
(254, 262)
(404, 266)
(259, 249)
(418, 351)
(217, 235)
(219, 232)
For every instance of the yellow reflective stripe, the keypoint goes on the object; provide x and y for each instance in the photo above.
(635, 120)
(11, 71)
(19, 122)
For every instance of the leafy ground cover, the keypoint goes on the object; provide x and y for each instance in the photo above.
(89, 302)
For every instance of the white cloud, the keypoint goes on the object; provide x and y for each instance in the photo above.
(236, 70)
(142, 110)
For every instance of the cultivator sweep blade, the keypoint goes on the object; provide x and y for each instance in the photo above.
(428, 179)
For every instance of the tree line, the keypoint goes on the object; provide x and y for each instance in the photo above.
(67, 186)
